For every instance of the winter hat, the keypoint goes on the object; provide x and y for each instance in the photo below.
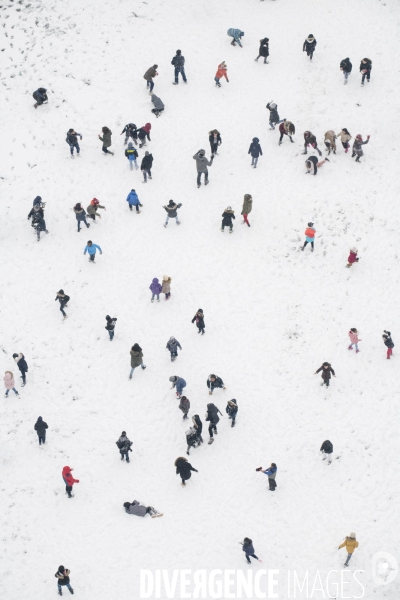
(130, 145)
(61, 569)
(352, 536)
(40, 419)
(358, 137)
(310, 224)
(61, 291)
(155, 66)
(202, 152)
(126, 504)
(123, 433)
(108, 317)
(78, 205)
(146, 153)
(71, 130)
(354, 250)
(229, 208)
(212, 375)
(173, 379)
(165, 278)
(248, 197)
(310, 37)
(171, 203)
(94, 202)
(179, 52)
(15, 355)
(273, 105)
(200, 310)
(172, 339)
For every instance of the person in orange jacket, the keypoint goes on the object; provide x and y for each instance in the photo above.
(222, 72)
(68, 480)
(310, 235)
(351, 544)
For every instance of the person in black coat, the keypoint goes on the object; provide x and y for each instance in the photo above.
(124, 446)
(146, 165)
(22, 366)
(327, 449)
(110, 326)
(255, 151)
(227, 217)
(326, 373)
(310, 140)
(40, 428)
(309, 45)
(199, 318)
(62, 576)
(143, 133)
(184, 469)
(198, 426)
(387, 340)
(248, 549)
(63, 300)
(172, 212)
(312, 164)
(214, 382)
(263, 50)
(215, 140)
(39, 224)
(231, 410)
(365, 69)
(72, 141)
(130, 131)
(346, 67)
(213, 418)
(179, 61)
(40, 96)
(273, 115)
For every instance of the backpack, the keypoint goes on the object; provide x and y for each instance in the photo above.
(309, 232)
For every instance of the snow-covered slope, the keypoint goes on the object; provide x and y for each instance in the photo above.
(273, 314)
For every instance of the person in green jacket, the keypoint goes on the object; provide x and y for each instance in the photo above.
(136, 359)
(106, 139)
(247, 206)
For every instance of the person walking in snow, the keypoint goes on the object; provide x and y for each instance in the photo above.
(40, 428)
(106, 139)
(158, 105)
(171, 210)
(236, 34)
(132, 154)
(130, 131)
(198, 427)
(72, 141)
(63, 300)
(62, 576)
(330, 141)
(345, 138)
(179, 383)
(222, 71)
(201, 165)
(312, 164)
(215, 140)
(310, 236)
(271, 474)
(40, 95)
(93, 208)
(38, 207)
(22, 366)
(199, 318)
(365, 69)
(9, 383)
(326, 373)
(387, 340)
(309, 45)
(184, 469)
(110, 326)
(327, 450)
(248, 549)
(149, 75)
(213, 419)
(172, 346)
(166, 286)
(145, 167)
(247, 208)
(184, 406)
(354, 339)
(39, 224)
(133, 200)
(255, 151)
(310, 140)
(213, 382)
(263, 50)
(286, 128)
(352, 258)
(68, 480)
(136, 359)
(143, 133)
(124, 446)
(227, 217)
(155, 288)
(91, 250)
(351, 544)
(346, 67)
(179, 63)
(357, 147)
(273, 115)
(80, 214)
(231, 410)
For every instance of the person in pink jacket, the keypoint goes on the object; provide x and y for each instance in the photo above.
(9, 383)
(354, 339)
(353, 258)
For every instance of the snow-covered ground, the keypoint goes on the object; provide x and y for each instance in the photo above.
(273, 314)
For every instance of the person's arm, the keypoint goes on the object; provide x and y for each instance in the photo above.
(333, 372)
(233, 217)
(100, 138)
(194, 318)
(178, 344)
(260, 150)
(320, 369)
(85, 250)
(342, 545)
(45, 425)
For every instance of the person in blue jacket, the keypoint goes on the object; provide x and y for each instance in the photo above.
(236, 34)
(132, 154)
(133, 200)
(248, 549)
(231, 410)
(271, 472)
(91, 249)
(179, 383)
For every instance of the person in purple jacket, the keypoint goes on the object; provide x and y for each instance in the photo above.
(155, 288)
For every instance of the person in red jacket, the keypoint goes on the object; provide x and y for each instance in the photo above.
(310, 235)
(286, 128)
(68, 480)
(222, 72)
(352, 257)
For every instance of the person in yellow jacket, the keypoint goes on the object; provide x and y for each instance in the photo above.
(351, 544)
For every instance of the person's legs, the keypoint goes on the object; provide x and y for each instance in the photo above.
(111, 333)
(389, 353)
(59, 589)
(255, 161)
(198, 178)
(217, 81)
(144, 175)
(252, 160)
(245, 219)
(136, 165)
(62, 305)
(363, 78)
(91, 257)
(166, 221)
(281, 138)
(151, 85)
(68, 489)
(304, 245)
(131, 373)
(23, 375)
(210, 430)
(86, 223)
(182, 69)
(77, 148)
(177, 220)
(206, 177)
(312, 246)
(348, 560)
(149, 173)
(137, 208)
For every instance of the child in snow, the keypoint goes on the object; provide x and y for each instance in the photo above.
(145, 167)
(148, 76)
(354, 339)
(130, 131)
(143, 133)
(352, 258)
(213, 418)
(365, 69)
(255, 151)
(346, 67)
(132, 154)
(140, 510)
(133, 200)
(172, 212)
(62, 576)
(387, 340)
(110, 326)
(330, 141)
(310, 140)
(222, 71)
(172, 346)
(309, 45)
(184, 406)
(93, 208)
(214, 381)
(351, 544)
(158, 105)
(357, 147)
(184, 469)
(155, 288)
(63, 300)
(72, 141)
(273, 115)
(22, 366)
(310, 235)
(247, 208)
(263, 50)
(179, 63)
(215, 140)
(136, 359)
(40, 428)
(68, 480)
(227, 217)
(231, 410)
(248, 549)
(106, 139)
(313, 164)
(166, 286)
(326, 373)
(124, 446)
(80, 214)
(236, 34)
(345, 137)
(199, 318)
(327, 450)
(179, 383)
(286, 128)
(271, 473)
(9, 383)
(91, 249)
(40, 96)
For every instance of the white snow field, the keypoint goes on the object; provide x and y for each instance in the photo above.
(273, 314)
